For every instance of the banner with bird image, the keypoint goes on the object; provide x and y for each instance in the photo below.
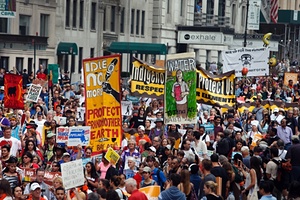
(103, 102)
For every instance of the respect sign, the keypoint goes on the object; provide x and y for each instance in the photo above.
(103, 102)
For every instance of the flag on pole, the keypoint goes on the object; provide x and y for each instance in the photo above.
(274, 11)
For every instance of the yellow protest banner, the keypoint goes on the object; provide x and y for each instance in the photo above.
(152, 192)
(103, 105)
(216, 89)
(147, 79)
(112, 156)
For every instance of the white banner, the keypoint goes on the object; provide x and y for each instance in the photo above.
(79, 135)
(254, 14)
(255, 59)
(266, 10)
(126, 108)
(72, 174)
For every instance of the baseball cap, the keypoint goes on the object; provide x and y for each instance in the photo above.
(50, 134)
(141, 127)
(66, 154)
(152, 148)
(147, 169)
(168, 147)
(34, 186)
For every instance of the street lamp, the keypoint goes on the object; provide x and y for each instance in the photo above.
(246, 25)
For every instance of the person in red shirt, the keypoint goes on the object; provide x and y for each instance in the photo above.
(131, 188)
(142, 136)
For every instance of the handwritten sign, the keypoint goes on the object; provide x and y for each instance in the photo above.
(72, 174)
(112, 156)
(79, 135)
(34, 93)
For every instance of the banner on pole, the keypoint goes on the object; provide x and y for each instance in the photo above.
(54, 68)
(126, 108)
(254, 14)
(13, 87)
(255, 59)
(103, 102)
(34, 93)
(8, 8)
(180, 89)
(147, 80)
(216, 89)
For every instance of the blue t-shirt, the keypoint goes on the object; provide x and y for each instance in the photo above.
(159, 180)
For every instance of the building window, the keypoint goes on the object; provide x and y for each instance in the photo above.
(168, 6)
(112, 18)
(93, 16)
(233, 14)
(44, 25)
(132, 21)
(3, 25)
(92, 51)
(80, 56)
(4, 62)
(137, 30)
(72, 64)
(30, 65)
(181, 7)
(24, 25)
(67, 13)
(19, 64)
(74, 20)
(81, 10)
(122, 20)
(143, 23)
(43, 62)
(243, 21)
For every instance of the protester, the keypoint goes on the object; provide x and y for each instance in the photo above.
(131, 188)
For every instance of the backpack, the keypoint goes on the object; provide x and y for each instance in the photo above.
(124, 197)
(283, 167)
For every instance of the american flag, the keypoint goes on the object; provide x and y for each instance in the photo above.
(274, 11)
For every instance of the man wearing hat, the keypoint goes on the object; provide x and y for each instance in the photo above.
(142, 136)
(49, 147)
(158, 130)
(31, 131)
(66, 157)
(67, 93)
(35, 191)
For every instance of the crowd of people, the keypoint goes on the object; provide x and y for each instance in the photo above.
(225, 155)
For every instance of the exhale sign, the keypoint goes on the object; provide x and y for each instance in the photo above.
(190, 37)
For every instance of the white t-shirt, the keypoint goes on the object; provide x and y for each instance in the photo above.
(15, 145)
(200, 148)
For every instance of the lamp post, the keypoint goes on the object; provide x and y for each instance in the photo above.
(34, 56)
(246, 25)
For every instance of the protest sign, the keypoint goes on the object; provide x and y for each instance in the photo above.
(62, 134)
(290, 76)
(126, 108)
(152, 192)
(40, 82)
(112, 156)
(34, 93)
(28, 174)
(60, 120)
(146, 79)
(72, 174)
(180, 89)
(13, 86)
(133, 99)
(49, 177)
(92, 159)
(255, 59)
(216, 89)
(266, 105)
(79, 135)
(80, 114)
(103, 102)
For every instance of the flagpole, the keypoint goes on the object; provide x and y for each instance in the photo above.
(246, 25)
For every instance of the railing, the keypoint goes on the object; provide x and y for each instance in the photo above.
(203, 19)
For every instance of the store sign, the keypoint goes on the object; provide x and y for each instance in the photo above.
(8, 8)
(190, 37)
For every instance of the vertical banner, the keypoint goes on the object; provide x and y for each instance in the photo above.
(34, 93)
(13, 87)
(55, 72)
(8, 8)
(180, 89)
(255, 59)
(266, 10)
(216, 89)
(254, 14)
(103, 102)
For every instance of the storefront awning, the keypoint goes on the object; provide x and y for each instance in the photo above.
(67, 48)
(139, 48)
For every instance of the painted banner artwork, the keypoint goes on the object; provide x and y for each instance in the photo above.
(216, 89)
(290, 76)
(127, 108)
(180, 89)
(255, 59)
(103, 102)
(13, 87)
(267, 105)
(147, 80)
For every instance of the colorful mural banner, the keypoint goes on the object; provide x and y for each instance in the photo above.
(146, 79)
(290, 76)
(103, 102)
(271, 105)
(180, 89)
(54, 69)
(215, 89)
(13, 87)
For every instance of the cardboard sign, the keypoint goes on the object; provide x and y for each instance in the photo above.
(72, 174)
(49, 177)
(112, 156)
(29, 174)
(34, 93)
(62, 134)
